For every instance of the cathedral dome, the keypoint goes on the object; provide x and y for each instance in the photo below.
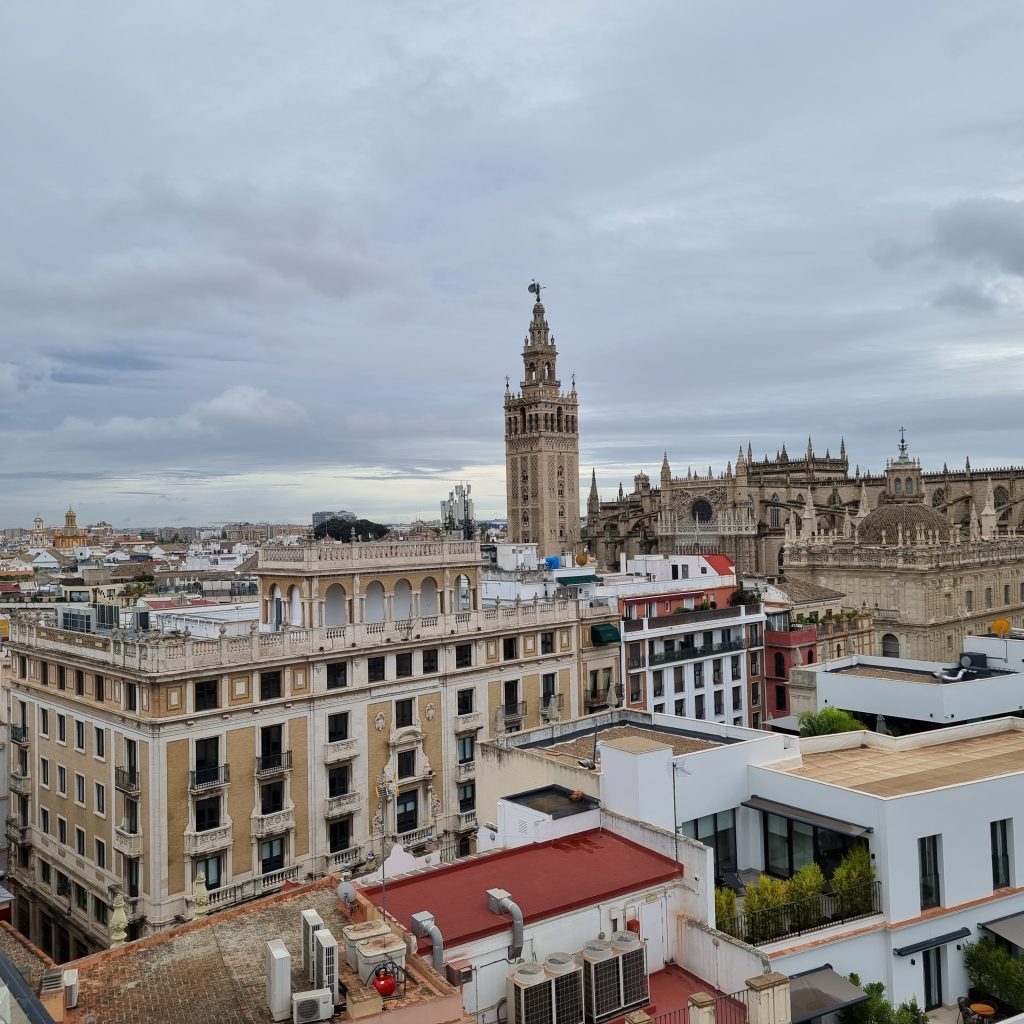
(883, 525)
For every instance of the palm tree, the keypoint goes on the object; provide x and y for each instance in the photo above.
(828, 720)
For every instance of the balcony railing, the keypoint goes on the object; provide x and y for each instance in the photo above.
(19, 734)
(343, 859)
(466, 820)
(342, 804)
(128, 843)
(21, 781)
(227, 895)
(213, 777)
(15, 831)
(340, 750)
(809, 915)
(469, 722)
(273, 764)
(465, 770)
(552, 706)
(596, 700)
(207, 841)
(127, 780)
(272, 824)
(416, 836)
(689, 653)
(513, 711)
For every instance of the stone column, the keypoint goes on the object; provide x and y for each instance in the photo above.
(702, 1008)
(768, 999)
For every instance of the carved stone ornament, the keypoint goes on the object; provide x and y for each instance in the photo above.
(430, 711)
(378, 722)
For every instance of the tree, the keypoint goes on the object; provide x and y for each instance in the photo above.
(343, 530)
(827, 721)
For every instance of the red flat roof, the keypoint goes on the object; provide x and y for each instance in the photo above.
(544, 879)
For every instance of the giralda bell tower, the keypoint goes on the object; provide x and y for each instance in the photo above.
(542, 449)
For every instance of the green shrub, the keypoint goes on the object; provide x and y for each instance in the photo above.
(764, 908)
(805, 889)
(853, 882)
(993, 970)
(875, 1010)
(827, 721)
(909, 1012)
(725, 910)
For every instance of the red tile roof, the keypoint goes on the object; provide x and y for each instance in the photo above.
(544, 879)
(722, 564)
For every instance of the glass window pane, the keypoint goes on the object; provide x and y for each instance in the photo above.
(777, 852)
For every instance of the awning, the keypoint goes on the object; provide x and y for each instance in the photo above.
(604, 633)
(1010, 928)
(938, 940)
(575, 581)
(821, 991)
(844, 828)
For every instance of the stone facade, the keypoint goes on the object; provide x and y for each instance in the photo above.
(542, 463)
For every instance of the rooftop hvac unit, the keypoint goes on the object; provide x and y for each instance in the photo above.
(311, 922)
(312, 1006)
(325, 956)
(632, 953)
(602, 986)
(356, 933)
(529, 993)
(71, 988)
(279, 979)
(567, 985)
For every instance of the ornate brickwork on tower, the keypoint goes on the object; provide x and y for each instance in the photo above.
(542, 448)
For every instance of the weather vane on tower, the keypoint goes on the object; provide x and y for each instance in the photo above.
(534, 288)
(903, 440)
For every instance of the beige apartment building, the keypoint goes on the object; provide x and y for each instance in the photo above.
(346, 721)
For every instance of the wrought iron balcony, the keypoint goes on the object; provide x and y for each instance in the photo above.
(270, 765)
(213, 777)
(690, 653)
(513, 711)
(127, 780)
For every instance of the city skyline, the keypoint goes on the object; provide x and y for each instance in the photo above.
(246, 281)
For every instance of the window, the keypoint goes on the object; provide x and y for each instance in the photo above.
(988, 597)
(208, 814)
(969, 600)
(659, 683)
(339, 835)
(755, 663)
(100, 798)
(755, 720)
(403, 665)
(464, 699)
(79, 682)
(403, 713)
(206, 695)
(406, 760)
(698, 706)
(736, 666)
(467, 797)
(1000, 854)
(101, 853)
(405, 811)
(716, 671)
(208, 759)
(210, 867)
(272, 797)
(99, 742)
(719, 703)
(755, 634)
(755, 695)
(44, 821)
(80, 841)
(62, 729)
(131, 697)
(635, 688)
(719, 832)
(463, 655)
(737, 698)
(62, 780)
(44, 722)
(1006, 593)
(547, 643)
(62, 674)
(337, 780)
(62, 831)
(928, 863)
(272, 855)
(270, 685)
(430, 661)
(510, 648)
(99, 689)
(44, 872)
(44, 771)
(79, 735)
(548, 686)
(337, 727)
(375, 669)
(698, 676)
(337, 675)
(79, 789)
(99, 909)
(131, 816)
(780, 698)
(465, 746)
(680, 707)
(81, 895)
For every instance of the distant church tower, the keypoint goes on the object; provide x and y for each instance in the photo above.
(542, 449)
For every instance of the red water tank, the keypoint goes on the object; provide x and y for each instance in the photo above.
(633, 925)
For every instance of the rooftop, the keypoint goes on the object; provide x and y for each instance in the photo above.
(905, 675)
(213, 971)
(28, 959)
(887, 767)
(544, 879)
(582, 745)
(556, 801)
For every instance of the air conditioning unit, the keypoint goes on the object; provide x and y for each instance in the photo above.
(279, 979)
(632, 953)
(311, 922)
(311, 1006)
(567, 987)
(325, 954)
(602, 986)
(529, 995)
(71, 988)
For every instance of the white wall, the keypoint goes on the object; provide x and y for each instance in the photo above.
(519, 825)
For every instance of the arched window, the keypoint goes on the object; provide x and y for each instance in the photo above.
(839, 650)
(294, 607)
(335, 606)
(702, 511)
(276, 607)
(462, 593)
(1002, 499)
(403, 600)
(908, 485)
(522, 420)
(547, 371)
(938, 497)
(890, 646)
(428, 596)
(374, 602)
(780, 665)
(531, 372)
(897, 486)
(558, 420)
(810, 656)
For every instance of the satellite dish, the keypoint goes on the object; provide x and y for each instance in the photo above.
(1000, 627)
(346, 893)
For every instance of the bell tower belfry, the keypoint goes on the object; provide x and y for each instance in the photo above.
(542, 447)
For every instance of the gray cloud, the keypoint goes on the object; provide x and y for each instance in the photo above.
(265, 263)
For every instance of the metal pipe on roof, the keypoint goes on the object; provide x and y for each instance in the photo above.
(500, 902)
(424, 926)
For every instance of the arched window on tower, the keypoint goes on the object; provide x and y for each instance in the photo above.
(559, 420)
(908, 485)
(897, 486)
(522, 420)
(547, 371)
(531, 372)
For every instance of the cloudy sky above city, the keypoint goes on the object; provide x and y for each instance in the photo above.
(258, 259)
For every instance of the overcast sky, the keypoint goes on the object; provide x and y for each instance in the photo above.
(258, 259)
